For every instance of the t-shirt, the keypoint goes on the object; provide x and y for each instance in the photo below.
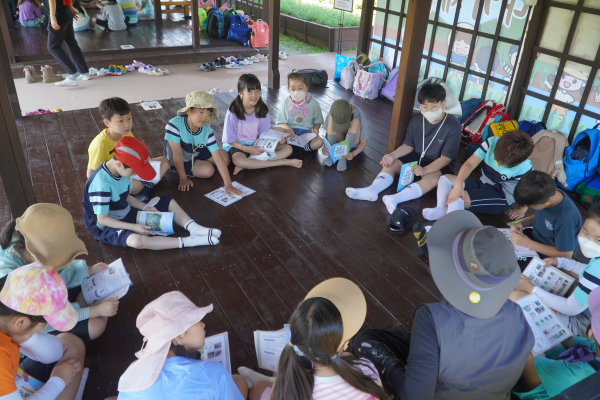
(178, 131)
(246, 131)
(441, 139)
(9, 364)
(183, 378)
(148, 9)
(115, 17)
(364, 123)
(104, 193)
(63, 13)
(558, 226)
(28, 11)
(100, 148)
(492, 173)
(558, 375)
(589, 279)
(302, 116)
(129, 10)
(335, 388)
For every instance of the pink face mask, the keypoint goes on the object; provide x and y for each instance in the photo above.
(298, 95)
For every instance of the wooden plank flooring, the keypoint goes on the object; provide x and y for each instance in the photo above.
(297, 230)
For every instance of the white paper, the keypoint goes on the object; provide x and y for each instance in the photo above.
(160, 223)
(273, 134)
(151, 105)
(156, 179)
(548, 330)
(127, 46)
(520, 250)
(220, 197)
(106, 284)
(216, 348)
(269, 346)
(550, 279)
(345, 5)
(266, 144)
(267, 155)
(301, 140)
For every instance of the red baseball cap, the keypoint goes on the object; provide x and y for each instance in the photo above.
(133, 153)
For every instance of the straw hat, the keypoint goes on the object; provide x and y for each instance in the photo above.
(50, 235)
(200, 100)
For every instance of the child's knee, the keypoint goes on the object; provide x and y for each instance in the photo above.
(203, 169)
(316, 143)
(225, 156)
(286, 150)
(354, 126)
(96, 326)
(73, 346)
(137, 241)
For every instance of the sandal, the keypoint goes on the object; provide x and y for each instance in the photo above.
(254, 59)
(155, 72)
(130, 67)
(144, 69)
(214, 90)
(102, 72)
(137, 64)
(203, 67)
(260, 57)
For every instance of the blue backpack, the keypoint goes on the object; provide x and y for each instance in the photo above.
(239, 33)
(215, 23)
(531, 127)
(581, 158)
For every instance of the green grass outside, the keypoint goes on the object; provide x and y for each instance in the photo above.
(292, 46)
(316, 13)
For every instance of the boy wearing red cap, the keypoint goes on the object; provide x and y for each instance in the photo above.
(110, 212)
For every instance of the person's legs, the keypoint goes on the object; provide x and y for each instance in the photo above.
(444, 187)
(74, 349)
(164, 164)
(241, 385)
(412, 191)
(55, 41)
(74, 50)
(530, 377)
(241, 161)
(96, 326)
(381, 182)
(203, 169)
(351, 135)
(261, 390)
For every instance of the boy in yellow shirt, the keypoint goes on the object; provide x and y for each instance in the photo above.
(118, 121)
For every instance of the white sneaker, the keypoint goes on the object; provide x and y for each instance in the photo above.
(67, 82)
(254, 59)
(282, 55)
(93, 71)
(102, 72)
(84, 77)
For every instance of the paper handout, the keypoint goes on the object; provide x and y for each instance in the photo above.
(406, 175)
(151, 105)
(160, 223)
(216, 348)
(301, 140)
(269, 346)
(106, 284)
(156, 179)
(520, 250)
(220, 197)
(550, 279)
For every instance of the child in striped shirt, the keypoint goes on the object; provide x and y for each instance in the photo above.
(130, 11)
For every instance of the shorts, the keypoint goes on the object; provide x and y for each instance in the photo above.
(413, 156)
(118, 237)
(486, 199)
(524, 261)
(102, 22)
(39, 371)
(232, 150)
(204, 155)
(298, 132)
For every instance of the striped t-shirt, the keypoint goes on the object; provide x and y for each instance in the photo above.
(178, 131)
(129, 10)
(335, 388)
(589, 279)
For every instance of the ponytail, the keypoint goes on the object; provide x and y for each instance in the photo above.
(10, 236)
(180, 351)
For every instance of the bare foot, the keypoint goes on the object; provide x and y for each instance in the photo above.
(294, 163)
(237, 169)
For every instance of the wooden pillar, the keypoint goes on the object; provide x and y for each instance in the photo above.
(195, 25)
(13, 165)
(274, 8)
(157, 12)
(265, 12)
(408, 70)
(366, 25)
(6, 17)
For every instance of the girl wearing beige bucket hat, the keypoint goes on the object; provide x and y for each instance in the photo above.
(45, 233)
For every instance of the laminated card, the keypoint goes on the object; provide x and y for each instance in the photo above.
(106, 284)
(550, 279)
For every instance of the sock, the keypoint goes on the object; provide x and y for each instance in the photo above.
(456, 205)
(370, 193)
(420, 233)
(73, 76)
(332, 140)
(195, 229)
(342, 163)
(84, 377)
(443, 190)
(197, 240)
(411, 192)
(252, 377)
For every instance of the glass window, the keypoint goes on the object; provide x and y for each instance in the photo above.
(543, 74)
(593, 101)
(391, 29)
(560, 119)
(422, 69)
(496, 92)
(382, 3)
(592, 3)
(567, 1)
(459, 51)
(375, 51)
(388, 56)
(467, 14)
(508, 54)
(454, 81)
(515, 19)
(586, 122)
(447, 11)
(572, 83)
(473, 88)
(440, 45)
(396, 5)
(435, 69)
(378, 21)
(587, 37)
(428, 39)
(556, 29)
(482, 56)
(533, 109)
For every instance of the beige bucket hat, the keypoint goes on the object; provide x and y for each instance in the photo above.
(200, 100)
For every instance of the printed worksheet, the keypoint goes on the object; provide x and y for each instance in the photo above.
(106, 284)
(301, 140)
(266, 144)
(160, 223)
(220, 197)
(547, 328)
(406, 175)
(269, 346)
(216, 348)
(156, 179)
(520, 250)
(550, 279)
(151, 105)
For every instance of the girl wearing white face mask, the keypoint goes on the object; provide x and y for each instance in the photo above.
(300, 113)
(571, 309)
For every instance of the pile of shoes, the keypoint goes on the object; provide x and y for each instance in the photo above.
(118, 70)
(230, 62)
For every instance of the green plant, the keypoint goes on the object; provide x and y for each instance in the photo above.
(294, 46)
(317, 13)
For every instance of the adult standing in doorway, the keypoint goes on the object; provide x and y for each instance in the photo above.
(60, 30)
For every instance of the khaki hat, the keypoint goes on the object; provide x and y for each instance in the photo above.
(341, 115)
(50, 235)
(350, 301)
(200, 100)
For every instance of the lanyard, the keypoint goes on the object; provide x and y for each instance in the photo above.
(192, 141)
(427, 148)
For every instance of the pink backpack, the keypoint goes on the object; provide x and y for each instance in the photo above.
(389, 90)
(260, 34)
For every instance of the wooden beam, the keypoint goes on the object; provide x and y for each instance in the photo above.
(157, 11)
(6, 23)
(366, 25)
(408, 70)
(13, 165)
(274, 11)
(265, 11)
(195, 26)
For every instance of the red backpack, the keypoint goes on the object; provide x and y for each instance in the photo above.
(260, 34)
(484, 115)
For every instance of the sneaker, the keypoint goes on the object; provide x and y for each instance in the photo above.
(93, 71)
(233, 65)
(155, 72)
(146, 68)
(420, 233)
(122, 69)
(102, 72)
(223, 61)
(260, 57)
(217, 62)
(212, 66)
(67, 82)
(164, 71)
(241, 57)
(130, 67)
(203, 67)
(254, 59)
(214, 90)
(379, 354)
(112, 69)
(246, 62)
(84, 77)
(137, 64)
(282, 55)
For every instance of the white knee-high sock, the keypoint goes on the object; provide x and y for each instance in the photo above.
(196, 229)
(443, 190)
(411, 192)
(381, 182)
(197, 240)
(458, 204)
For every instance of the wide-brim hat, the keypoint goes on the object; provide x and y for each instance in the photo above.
(159, 322)
(474, 266)
(50, 235)
(200, 100)
(350, 301)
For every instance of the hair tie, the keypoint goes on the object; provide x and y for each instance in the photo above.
(331, 358)
(297, 350)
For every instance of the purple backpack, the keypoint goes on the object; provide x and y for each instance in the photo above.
(389, 90)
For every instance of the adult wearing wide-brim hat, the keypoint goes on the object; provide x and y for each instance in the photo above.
(474, 343)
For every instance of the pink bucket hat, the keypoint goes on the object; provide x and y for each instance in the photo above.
(38, 290)
(594, 306)
(160, 322)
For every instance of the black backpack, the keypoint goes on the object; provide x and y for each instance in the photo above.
(212, 23)
(315, 77)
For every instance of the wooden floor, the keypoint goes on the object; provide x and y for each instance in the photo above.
(297, 230)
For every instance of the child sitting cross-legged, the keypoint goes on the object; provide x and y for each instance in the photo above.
(300, 113)
(110, 213)
(432, 140)
(505, 161)
(30, 13)
(190, 143)
(118, 120)
(112, 17)
(248, 117)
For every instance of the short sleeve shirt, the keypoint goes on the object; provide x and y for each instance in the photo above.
(100, 148)
(9, 365)
(441, 139)
(129, 10)
(302, 116)
(244, 131)
(178, 131)
(334, 387)
(558, 226)
(589, 279)
(364, 123)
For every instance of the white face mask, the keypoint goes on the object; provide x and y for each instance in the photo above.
(433, 116)
(298, 95)
(588, 248)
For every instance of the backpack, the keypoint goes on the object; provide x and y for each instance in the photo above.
(239, 33)
(366, 84)
(581, 158)
(260, 34)
(348, 74)
(531, 127)
(485, 114)
(500, 128)
(232, 17)
(453, 106)
(547, 155)
(469, 107)
(383, 70)
(363, 59)
(315, 77)
(589, 190)
(215, 23)
(389, 90)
